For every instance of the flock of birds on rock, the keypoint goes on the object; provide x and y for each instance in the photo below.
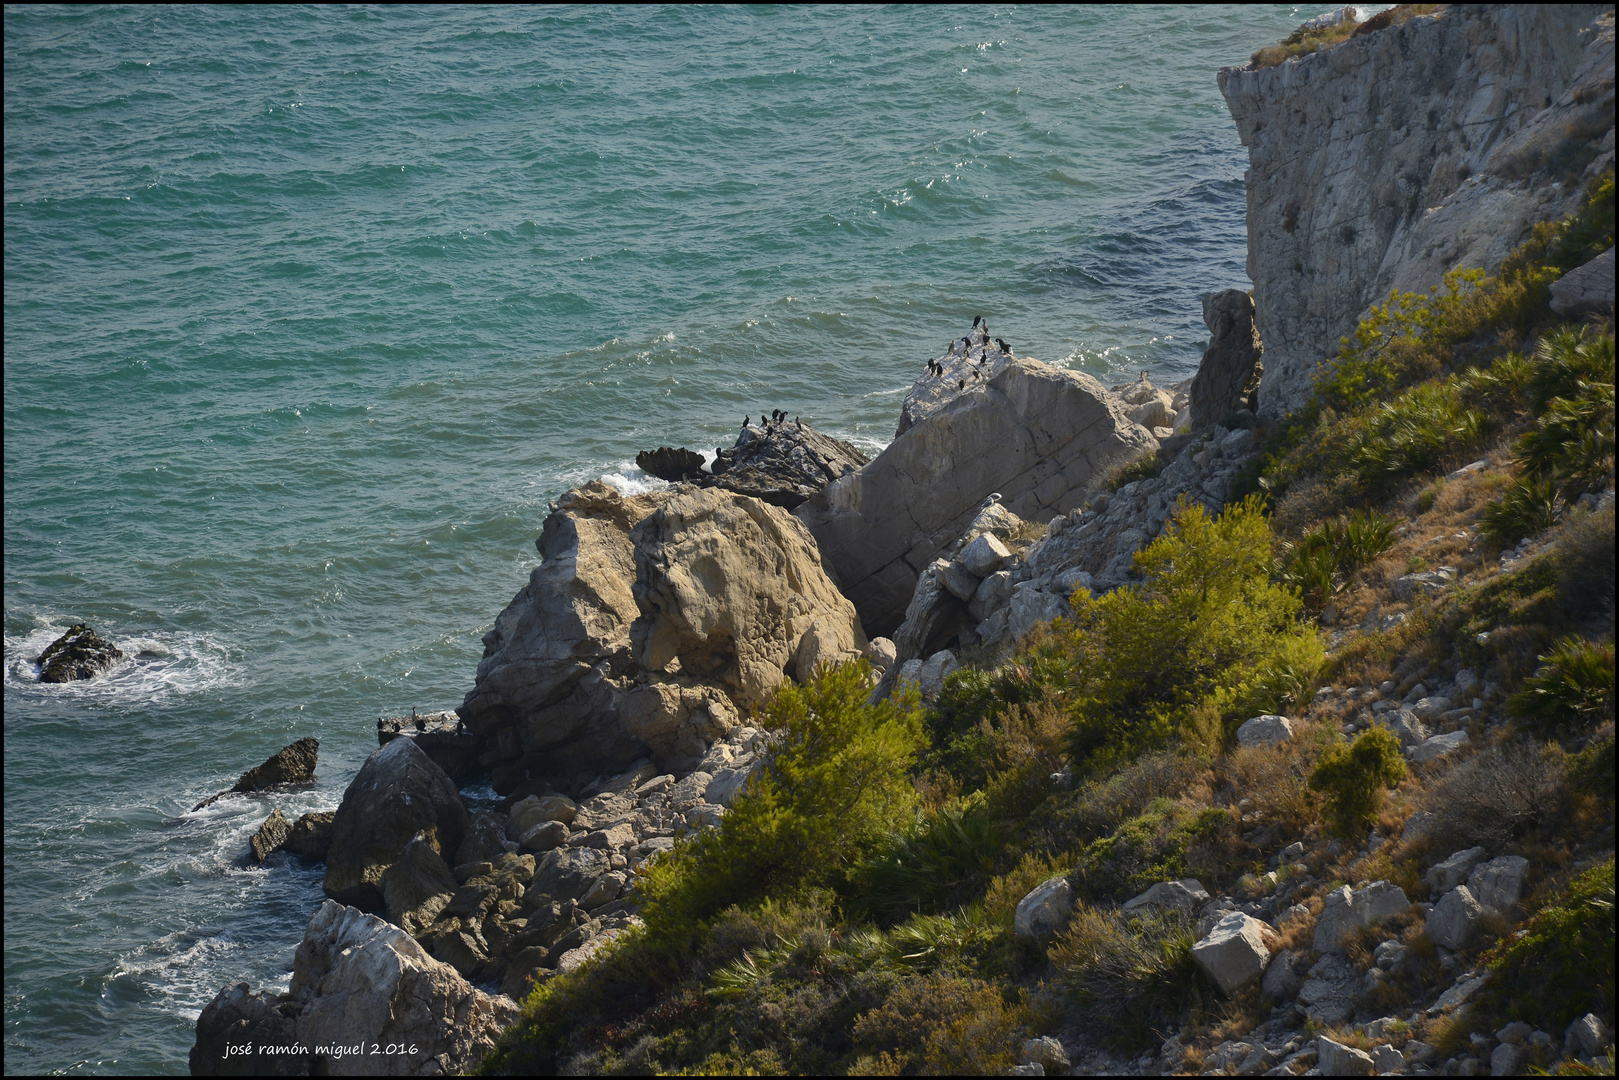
(777, 416)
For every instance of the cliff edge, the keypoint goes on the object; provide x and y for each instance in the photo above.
(1387, 160)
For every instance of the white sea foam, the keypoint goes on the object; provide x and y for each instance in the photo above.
(157, 665)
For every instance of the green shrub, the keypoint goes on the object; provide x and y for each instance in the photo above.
(941, 1025)
(1166, 842)
(1528, 507)
(1420, 430)
(1130, 980)
(1562, 965)
(1571, 444)
(948, 859)
(1207, 629)
(1572, 691)
(837, 785)
(1354, 778)
(1325, 558)
(1591, 771)
(1142, 468)
(1566, 358)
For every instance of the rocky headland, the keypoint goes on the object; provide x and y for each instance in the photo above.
(616, 706)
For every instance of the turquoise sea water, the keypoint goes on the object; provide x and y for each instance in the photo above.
(308, 312)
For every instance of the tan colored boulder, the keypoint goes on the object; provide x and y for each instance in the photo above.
(729, 586)
(1040, 436)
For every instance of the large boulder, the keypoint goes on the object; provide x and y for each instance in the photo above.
(1498, 884)
(77, 654)
(1383, 162)
(417, 887)
(728, 587)
(668, 463)
(650, 623)
(1452, 920)
(1041, 913)
(358, 983)
(1585, 288)
(1039, 436)
(311, 835)
(399, 794)
(1345, 912)
(1234, 953)
(781, 463)
(1337, 1059)
(1227, 379)
(1184, 896)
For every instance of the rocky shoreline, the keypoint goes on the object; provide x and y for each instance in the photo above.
(610, 710)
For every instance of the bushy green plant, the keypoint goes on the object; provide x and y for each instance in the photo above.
(1527, 507)
(1143, 468)
(1130, 980)
(1571, 691)
(837, 784)
(1562, 965)
(946, 860)
(1566, 359)
(941, 1025)
(1325, 558)
(1205, 630)
(1354, 778)
(1571, 444)
(1419, 430)
(1166, 841)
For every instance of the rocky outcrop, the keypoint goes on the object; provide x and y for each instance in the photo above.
(290, 765)
(1039, 436)
(77, 654)
(365, 999)
(1229, 374)
(442, 736)
(1585, 288)
(668, 463)
(1385, 161)
(397, 796)
(965, 363)
(781, 462)
(953, 605)
(311, 835)
(652, 621)
(271, 835)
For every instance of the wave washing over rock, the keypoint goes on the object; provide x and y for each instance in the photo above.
(610, 709)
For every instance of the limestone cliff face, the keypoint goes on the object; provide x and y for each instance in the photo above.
(1385, 161)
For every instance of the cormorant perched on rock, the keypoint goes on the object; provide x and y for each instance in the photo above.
(799, 422)
(1005, 348)
(962, 385)
(976, 319)
(745, 420)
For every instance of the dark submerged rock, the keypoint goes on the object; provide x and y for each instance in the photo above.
(293, 764)
(668, 463)
(77, 654)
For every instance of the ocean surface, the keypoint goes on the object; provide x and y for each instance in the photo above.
(309, 312)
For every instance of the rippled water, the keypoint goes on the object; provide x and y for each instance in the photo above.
(309, 312)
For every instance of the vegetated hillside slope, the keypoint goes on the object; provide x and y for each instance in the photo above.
(1408, 865)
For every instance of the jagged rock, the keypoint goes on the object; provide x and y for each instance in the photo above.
(1282, 980)
(649, 622)
(1183, 896)
(1336, 1059)
(604, 891)
(77, 654)
(311, 835)
(1405, 726)
(1268, 730)
(1228, 376)
(356, 981)
(1428, 583)
(934, 671)
(1585, 288)
(1451, 921)
(1041, 913)
(235, 1024)
(1498, 883)
(1037, 435)
(568, 873)
(544, 836)
(485, 839)
(729, 586)
(271, 835)
(1386, 1059)
(882, 653)
(417, 887)
(782, 463)
(442, 736)
(957, 580)
(1587, 1036)
(1429, 709)
(1506, 1060)
(1385, 161)
(1329, 991)
(1345, 912)
(397, 795)
(1234, 953)
(1047, 1052)
(293, 764)
(539, 809)
(984, 555)
(667, 463)
(1439, 746)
